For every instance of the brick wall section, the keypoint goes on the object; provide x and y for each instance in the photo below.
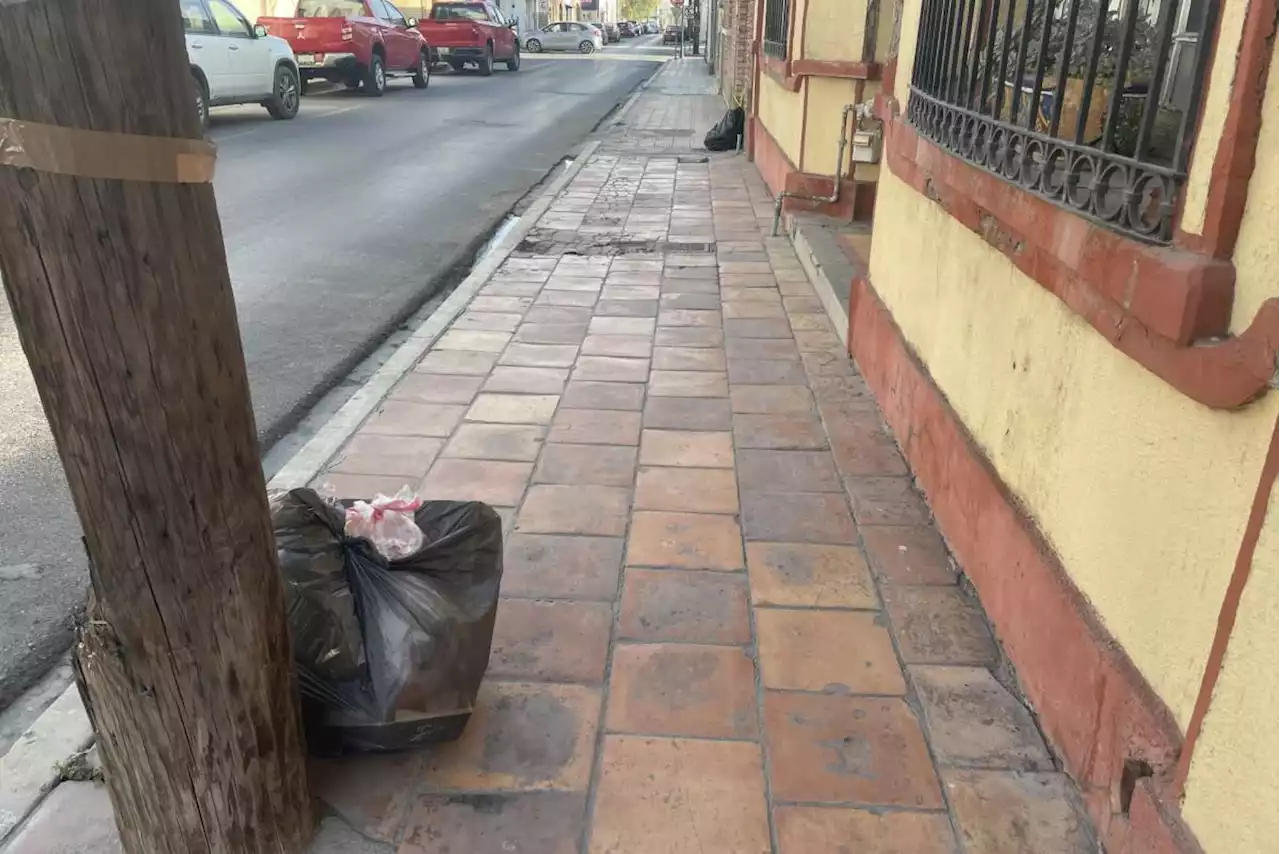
(735, 61)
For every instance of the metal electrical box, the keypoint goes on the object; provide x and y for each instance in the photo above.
(866, 146)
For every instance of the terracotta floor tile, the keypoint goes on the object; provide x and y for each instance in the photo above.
(562, 567)
(551, 333)
(761, 295)
(810, 830)
(498, 483)
(865, 454)
(504, 304)
(766, 372)
(473, 341)
(634, 293)
(517, 442)
(679, 796)
(629, 346)
(702, 285)
(457, 362)
(1006, 812)
(688, 383)
(580, 299)
(511, 288)
(408, 457)
(833, 651)
(585, 394)
(787, 471)
(550, 641)
(886, 501)
(496, 823)
(688, 317)
(364, 486)
(521, 737)
(758, 328)
(696, 607)
(627, 308)
(598, 465)
(511, 379)
(751, 310)
(820, 342)
(687, 413)
(974, 721)
(939, 625)
(611, 369)
(809, 576)
(698, 301)
(769, 349)
(804, 305)
(831, 749)
(371, 793)
(908, 555)
(686, 448)
(681, 689)
(597, 510)
(400, 418)
(558, 314)
(778, 432)
(687, 489)
(797, 517)
(514, 408)
(809, 322)
(689, 336)
(688, 359)
(539, 355)
(435, 388)
(589, 284)
(772, 400)
(828, 365)
(596, 427)
(685, 541)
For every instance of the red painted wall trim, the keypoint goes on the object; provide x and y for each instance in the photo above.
(1227, 614)
(1093, 704)
(1151, 303)
(1234, 160)
(857, 198)
(791, 73)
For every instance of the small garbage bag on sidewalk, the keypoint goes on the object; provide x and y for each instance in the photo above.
(724, 136)
(389, 653)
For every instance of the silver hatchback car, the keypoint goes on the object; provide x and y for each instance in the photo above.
(564, 35)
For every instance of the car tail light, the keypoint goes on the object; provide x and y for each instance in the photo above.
(347, 33)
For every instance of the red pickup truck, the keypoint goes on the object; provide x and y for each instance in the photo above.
(474, 31)
(354, 42)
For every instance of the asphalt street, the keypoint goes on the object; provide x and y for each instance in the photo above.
(338, 225)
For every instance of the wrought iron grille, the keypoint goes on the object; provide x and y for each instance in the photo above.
(1090, 104)
(777, 22)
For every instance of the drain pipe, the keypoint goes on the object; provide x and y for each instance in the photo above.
(835, 189)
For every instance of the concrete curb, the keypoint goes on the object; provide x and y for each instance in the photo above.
(817, 273)
(302, 468)
(37, 760)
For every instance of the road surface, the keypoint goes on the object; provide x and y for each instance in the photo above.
(337, 226)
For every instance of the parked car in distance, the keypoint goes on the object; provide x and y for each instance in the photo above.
(627, 30)
(564, 35)
(474, 31)
(358, 43)
(234, 63)
(611, 33)
(652, 28)
(599, 28)
(671, 34)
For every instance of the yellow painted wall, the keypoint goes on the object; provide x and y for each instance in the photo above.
(1255, 257)
(834, 29)
(827, 97)
(1231, 791)
(1213, 114)
(782, 113)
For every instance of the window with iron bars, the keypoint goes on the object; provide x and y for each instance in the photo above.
(777, 22)
(1090, 104)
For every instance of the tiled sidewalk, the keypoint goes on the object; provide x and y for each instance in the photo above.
(728, 626)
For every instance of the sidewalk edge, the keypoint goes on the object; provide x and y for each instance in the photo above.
(303, 466)
(35, 763)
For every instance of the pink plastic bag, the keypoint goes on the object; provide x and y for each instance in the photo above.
(388, 523)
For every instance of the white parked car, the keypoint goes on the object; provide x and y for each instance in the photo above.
(564, 35)
(234, 62)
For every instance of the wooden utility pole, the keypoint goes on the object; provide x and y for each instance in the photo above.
(112, 259)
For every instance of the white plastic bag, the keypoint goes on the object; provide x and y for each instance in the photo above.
(388, 523)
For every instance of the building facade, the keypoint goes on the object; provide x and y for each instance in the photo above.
(1069, 320)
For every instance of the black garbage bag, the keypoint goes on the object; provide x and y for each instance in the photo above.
(389, 654)
(724, 136)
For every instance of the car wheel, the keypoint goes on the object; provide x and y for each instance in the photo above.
(513, 64)
(202, 101)
(486, 64)
(586, 47)
(375, 77)
(285, 95)
(352, 83)
(422, 74)
(533, 46)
